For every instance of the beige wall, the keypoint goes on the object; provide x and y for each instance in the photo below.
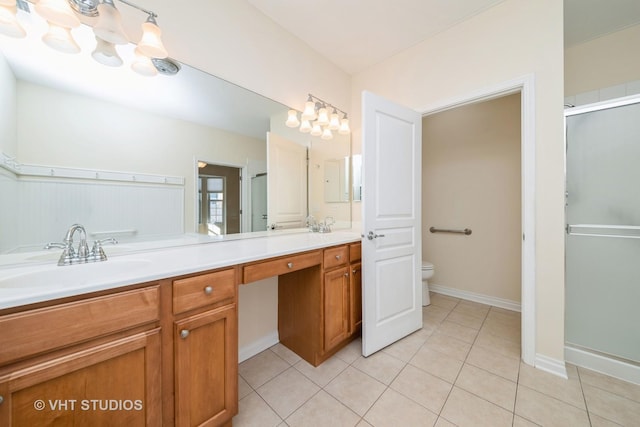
(471, 178)
(7, 109)
(607, 61)
(501, 44)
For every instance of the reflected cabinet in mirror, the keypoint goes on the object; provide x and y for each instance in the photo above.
(118, 152)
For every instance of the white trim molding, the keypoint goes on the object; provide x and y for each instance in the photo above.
(603, 364)
(525, 85)
(475, 297)
(553, 366)
(257, 346)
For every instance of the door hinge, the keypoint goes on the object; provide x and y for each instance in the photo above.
(522, 236)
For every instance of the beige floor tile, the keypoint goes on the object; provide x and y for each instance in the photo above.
(611, 406)
(503, 330)
(448, 345)
(287, 392)
(465, 320)
(443, 301)
(504, 345)
(254, 412)
(465, 409)
(380, 366)
(363, 423)
(569, 391)
(491, 387)
(287, 355)
(406, 348)
(323, 410)
(324, 373)
(355, 389)
(504, 312)
(613, 385)
(434, 313)
(496, 363)
(422, 387)
(351, 352)
(393, 409)
(261, 368)
(598, 421)
(473, 309)
(243, 388)
(460, 332)
(444, 423)
(518, 421)
(548, 411)
(436, 363)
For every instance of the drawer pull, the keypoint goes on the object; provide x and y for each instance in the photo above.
(346, 274)
(184, 333)
(208, 290)
(290, 264)
(355, 271)
(338, 257)
(1, 400)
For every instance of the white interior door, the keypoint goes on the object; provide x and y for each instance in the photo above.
(287, 182)
(391, 203)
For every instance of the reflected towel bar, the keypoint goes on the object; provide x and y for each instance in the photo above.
(466, 231)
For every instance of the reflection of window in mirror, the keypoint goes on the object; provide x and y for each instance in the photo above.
(218, 199)
(357, 177)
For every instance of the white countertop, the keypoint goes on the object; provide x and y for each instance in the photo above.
(27, 284)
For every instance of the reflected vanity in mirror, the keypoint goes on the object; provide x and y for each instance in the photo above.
(117, 152)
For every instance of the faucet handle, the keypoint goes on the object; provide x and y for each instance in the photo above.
(55, 245)
(97, 252)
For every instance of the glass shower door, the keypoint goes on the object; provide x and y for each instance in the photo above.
(603, 230)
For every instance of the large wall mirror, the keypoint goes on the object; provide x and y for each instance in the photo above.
(119, 152)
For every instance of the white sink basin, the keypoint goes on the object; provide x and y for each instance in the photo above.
(73, 275)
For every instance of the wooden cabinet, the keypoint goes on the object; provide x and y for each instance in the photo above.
(355, 298)
(206, 349)
(107, 373)
(336, 307)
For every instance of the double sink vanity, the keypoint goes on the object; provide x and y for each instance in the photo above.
(151, 338)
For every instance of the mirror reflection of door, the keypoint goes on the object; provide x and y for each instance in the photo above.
(259, 202)
(218, 199)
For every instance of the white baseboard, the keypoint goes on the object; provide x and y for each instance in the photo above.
(256, 347)
(603, 364)
(553, 366)
(472, 296)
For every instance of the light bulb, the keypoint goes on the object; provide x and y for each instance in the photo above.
(334, 121)
(309, 112)
(106, 54)
(323, 116)
(316, 130)
(344, 126)
(143, 65)
(60, 39)
(305, 127)
(57, 12)
(292, 119)
(9, 24)
(151, 43)
(109, 25)
(326, 134)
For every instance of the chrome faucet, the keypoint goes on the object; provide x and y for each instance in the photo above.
(83, 254)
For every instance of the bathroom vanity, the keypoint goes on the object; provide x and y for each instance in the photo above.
(159, 345)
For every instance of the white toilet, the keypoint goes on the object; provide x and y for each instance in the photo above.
(427, 273)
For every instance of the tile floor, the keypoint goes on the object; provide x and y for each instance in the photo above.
(461, 369)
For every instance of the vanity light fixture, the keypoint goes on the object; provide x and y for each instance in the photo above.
(104, 19)
(316, 120)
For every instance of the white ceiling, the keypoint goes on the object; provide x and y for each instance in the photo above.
(356, 34)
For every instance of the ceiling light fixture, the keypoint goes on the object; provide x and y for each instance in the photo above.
(63, 15)
(316, 120)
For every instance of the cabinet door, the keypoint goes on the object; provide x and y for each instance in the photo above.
(336, 307)
(355, 297)
(206, 367)
(115, 383)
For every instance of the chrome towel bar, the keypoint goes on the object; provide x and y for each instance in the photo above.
(466, 231)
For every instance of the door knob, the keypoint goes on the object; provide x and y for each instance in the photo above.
(373, 235)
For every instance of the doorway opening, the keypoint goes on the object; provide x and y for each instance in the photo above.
(219, 199)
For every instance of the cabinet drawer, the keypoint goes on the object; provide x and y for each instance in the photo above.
(334, 257)
(37, 331)
(202, 290)
(355, 252)
(278, 266)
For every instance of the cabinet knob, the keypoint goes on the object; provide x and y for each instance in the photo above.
(208, 290)
(355, 271)
(346, 274)
(1, 400)
(184, 333)
(338, 257)
(290, 264)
